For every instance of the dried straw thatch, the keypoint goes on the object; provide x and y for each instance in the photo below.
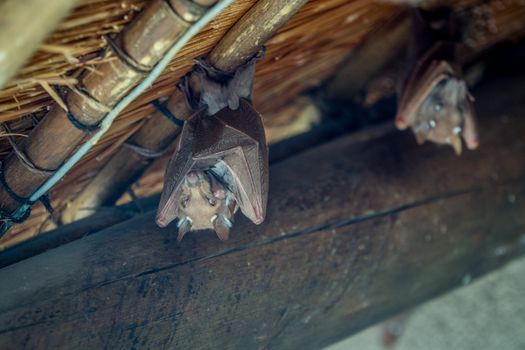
(307, 50)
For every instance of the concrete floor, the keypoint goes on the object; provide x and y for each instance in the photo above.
(489, 314)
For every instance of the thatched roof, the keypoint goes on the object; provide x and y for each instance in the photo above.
(301, 56)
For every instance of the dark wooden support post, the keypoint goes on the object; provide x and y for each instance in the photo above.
(356, 232)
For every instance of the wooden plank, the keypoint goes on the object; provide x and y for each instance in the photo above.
(355, 233)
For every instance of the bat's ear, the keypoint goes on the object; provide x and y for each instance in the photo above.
(455, 141)
(184, 226)
(421, 137)
(221, 225)
(470, 128)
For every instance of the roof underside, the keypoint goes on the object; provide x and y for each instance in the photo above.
(301, 56)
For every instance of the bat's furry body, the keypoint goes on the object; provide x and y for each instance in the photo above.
(205, 203)
(434, 100)
(221, 161)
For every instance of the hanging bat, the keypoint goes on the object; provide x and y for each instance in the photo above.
(435, 102)
(221, 161)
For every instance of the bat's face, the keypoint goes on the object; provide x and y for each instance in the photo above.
(205, 203)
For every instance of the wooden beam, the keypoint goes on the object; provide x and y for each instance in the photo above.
(105, 217)
(102, 219)
(355, 232)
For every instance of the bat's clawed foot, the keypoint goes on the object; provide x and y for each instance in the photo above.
(220, 89)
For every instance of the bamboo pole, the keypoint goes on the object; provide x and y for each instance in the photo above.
(23, 27)
(128, 59)
(239, 44)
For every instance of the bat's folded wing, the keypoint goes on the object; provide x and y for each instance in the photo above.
(236, 138)
(233, 139)
(179, 165)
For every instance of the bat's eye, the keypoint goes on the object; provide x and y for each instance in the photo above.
(184, 202)
(212, 202)
(437, 107)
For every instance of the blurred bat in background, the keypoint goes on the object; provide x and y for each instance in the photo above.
(434, 101)
(221, 160)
